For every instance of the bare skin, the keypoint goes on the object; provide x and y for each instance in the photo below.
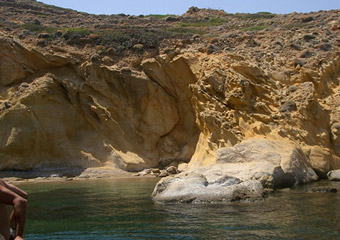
(11, 195)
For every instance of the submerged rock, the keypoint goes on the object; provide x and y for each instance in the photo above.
(144, 172)
(324, 189)
(242, 173)
(163, 173)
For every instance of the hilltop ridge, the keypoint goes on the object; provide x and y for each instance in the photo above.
(120, 35)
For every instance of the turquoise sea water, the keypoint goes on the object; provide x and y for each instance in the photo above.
(122, 209)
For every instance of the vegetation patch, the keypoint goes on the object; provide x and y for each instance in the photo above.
(161, 16)
(5, 24)
(182, 31)
(254, 28)
(258, 15)
(211, 36)
(37, 28)
(72, 33)
(124, 39)
(212, 21)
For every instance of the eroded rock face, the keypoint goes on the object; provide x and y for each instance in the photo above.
(87, 115)
(250, 101)
(241, 173)
(69, 109)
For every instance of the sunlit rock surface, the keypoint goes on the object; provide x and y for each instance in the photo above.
(240, 173)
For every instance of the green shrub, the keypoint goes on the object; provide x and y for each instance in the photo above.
(254, 28)
(37, 28)
(160, 16)
(258, 15)
(72, 33)
(181, 31)
(213, 21)
(107, 37)
(211, 36)
(126, 38)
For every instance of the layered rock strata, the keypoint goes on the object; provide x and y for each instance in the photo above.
(60, 109)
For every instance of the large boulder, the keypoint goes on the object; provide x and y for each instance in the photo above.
(242, 172)
(194, 187)
(276, 163)
(320, 160)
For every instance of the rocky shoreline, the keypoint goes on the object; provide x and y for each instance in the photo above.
(213, 184)
(247, 192)
(69, 174)
(65, 174)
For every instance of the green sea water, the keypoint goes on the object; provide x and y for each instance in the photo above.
(123, 209)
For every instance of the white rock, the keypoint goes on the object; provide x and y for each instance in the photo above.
(334, 175)
(241, 173)
(195, 188)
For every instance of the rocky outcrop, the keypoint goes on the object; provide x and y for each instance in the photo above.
(177, 109)
(137, 92)
(56, 112)
(242, 173)
(234, 100)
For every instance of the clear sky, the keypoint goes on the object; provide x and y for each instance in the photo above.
(137, 7)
